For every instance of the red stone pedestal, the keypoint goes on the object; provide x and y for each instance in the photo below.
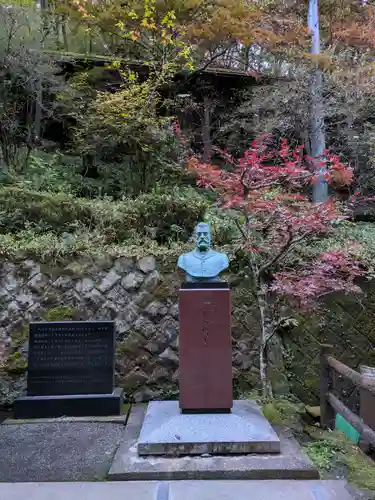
(205, 350)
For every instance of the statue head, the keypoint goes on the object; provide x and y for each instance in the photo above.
(203, 237)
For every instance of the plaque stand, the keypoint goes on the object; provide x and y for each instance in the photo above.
(205, 348)
(71, 405)
(70, 371)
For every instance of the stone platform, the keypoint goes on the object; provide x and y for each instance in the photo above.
(179, 490)
(290, 463)
(167, 431)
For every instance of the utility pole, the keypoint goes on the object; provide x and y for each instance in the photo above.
(316, 118)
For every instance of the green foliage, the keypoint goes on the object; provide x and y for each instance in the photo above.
(116, 123)
(61, 313)
(51, 173)
(169, 214)
(224, 229)
(323, 453)
(15, 364)
(361, 471)
(332, 450)
(59, 173)
(22, 69)
(57, 225)
(22, 209)
(52, 249)
(282, 412)
(133, 146)
(161, 214)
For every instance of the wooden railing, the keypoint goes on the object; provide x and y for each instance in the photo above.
(330, 404)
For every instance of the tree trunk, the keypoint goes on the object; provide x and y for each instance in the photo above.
(39, 84)
(64, 33)
(317, 135)
(206, 130)
(271, 359)
(265, 335)
(316, 125)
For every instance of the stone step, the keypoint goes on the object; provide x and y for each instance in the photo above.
(179, 490)
(290, 463)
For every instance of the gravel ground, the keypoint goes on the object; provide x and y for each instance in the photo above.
(57, 451)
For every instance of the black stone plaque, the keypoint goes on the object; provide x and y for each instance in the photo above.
(72, 357)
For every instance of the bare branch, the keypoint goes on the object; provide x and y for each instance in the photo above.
(212, 59)
(284, 251)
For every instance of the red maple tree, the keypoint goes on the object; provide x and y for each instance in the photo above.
(267, 192)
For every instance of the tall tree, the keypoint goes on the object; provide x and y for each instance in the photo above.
(22, 68)
(317, 132)
(262, 195)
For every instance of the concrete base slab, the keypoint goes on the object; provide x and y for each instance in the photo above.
(291, 463)
(180, 490)
(167, 431)
(58, 451)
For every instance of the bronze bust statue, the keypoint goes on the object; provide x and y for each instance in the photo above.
(203, 264)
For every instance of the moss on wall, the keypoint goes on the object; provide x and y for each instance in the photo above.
(348, 324)
(15, 364)
(60, 313)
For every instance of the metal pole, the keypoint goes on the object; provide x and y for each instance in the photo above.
(316, 122)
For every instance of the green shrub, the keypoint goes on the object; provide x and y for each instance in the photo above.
(52, 249)
(167, 215)
(52, 173)
(332, 451)
(133, 145)
(59, 173)
(160, 215)
(23, 208)
(59, 225)
(223, 225)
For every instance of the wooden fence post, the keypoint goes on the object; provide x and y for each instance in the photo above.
(367, 406)
(327, 413)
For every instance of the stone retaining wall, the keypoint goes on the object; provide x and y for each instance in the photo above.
(136, 294)
(141, 296)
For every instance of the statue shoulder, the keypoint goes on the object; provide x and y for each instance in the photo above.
(183, 260)
(222, 256)
(222, 260)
